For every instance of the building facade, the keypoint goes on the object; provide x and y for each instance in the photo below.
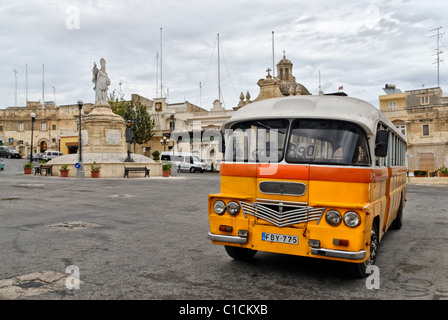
(52, 125)
(422, 116)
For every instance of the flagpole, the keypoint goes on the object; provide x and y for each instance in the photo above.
(273, 57)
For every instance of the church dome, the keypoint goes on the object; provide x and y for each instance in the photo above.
(288, 84)
(284, 61)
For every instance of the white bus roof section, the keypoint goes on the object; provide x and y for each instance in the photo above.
(314, 107)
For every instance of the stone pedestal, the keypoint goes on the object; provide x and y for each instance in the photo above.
(103, 131)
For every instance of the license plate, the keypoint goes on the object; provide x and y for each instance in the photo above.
(282, 238)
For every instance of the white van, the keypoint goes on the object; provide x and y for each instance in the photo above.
(184, 161)
(49, 155)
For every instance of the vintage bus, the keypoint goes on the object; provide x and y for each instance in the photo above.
(317, 176)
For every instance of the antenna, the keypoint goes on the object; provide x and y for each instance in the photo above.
(15, 96)
(157, 75)
(438, 52)
(273, 57)
(320, 85)
(43, 86)
(26, 83)
(219, 74)
(161, 83)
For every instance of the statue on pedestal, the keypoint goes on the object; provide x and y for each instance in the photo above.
(102, 83)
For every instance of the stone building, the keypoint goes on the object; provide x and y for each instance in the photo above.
(422, 116)
(53, 124)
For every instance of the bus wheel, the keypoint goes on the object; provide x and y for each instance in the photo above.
(240, 253)
(359, 269)
(397, 223)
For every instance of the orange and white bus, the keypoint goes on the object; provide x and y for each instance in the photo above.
(316, 176)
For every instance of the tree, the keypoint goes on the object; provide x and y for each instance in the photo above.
(142, 125)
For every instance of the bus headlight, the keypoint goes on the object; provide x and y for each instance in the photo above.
(333, 218)
(233, 208)
(351, 219)
(219, 207)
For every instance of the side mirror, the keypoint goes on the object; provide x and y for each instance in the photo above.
(381, 143)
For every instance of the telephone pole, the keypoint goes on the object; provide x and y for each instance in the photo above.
(438, 52)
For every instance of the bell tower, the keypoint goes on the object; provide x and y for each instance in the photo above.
(284, 69)
(288, 84)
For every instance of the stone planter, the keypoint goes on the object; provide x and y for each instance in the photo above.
(166, 173)
(63, 173)
(95, 174)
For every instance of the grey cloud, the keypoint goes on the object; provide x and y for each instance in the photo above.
(319, 35)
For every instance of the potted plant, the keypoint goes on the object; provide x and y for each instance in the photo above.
(166, 169)
(28, 167)
(155, 155)
(420, 173)
(443, 171)
(95, 170)
(64, 170)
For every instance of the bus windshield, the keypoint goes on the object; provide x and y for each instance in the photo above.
(256, 141)
(327, 142)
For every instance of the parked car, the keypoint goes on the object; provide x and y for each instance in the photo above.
(36, 156)
(2, 165)
(49, 155)
(184, 161)
(9, 152)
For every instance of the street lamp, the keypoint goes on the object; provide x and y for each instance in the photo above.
(33, 118)
(164, 142)
(172, 127)
(80, 165)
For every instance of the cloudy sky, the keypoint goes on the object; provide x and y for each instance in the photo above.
(360, 45)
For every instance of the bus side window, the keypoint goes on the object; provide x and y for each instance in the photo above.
(381, 143)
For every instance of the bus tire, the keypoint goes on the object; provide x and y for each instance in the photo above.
(398, 222)
(359, 269)
(238, 253)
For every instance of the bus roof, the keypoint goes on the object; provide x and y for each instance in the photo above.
(314, 107)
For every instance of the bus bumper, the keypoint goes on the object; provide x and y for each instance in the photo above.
(339, 253)
(225, 238)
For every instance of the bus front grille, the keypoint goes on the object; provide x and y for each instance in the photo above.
(281, 213)
(283, 188)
